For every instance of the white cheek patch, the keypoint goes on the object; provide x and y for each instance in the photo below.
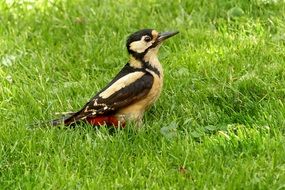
(121, 83)
(140, 46)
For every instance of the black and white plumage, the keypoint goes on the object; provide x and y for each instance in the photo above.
(134, 88)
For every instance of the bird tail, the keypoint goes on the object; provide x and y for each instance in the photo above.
(94, 120)
(74, 118)
(69, 119)
(54, 122)
(60, 121)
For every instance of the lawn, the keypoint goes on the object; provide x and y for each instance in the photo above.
(219, 123)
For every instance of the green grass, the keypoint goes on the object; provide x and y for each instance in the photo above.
(219, 124)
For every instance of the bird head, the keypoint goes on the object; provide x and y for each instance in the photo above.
(142, 42)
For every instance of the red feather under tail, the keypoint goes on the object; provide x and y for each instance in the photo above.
(105, 120)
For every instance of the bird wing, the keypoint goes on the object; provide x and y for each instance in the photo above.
(118, 94)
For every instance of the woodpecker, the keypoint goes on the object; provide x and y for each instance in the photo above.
(133, 90)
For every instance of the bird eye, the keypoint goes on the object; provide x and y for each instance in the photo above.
(147, 39)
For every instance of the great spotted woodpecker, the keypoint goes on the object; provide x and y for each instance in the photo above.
(134, 89)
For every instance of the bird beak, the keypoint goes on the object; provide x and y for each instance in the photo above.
(163, 36)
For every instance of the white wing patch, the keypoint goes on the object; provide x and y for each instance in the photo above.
(121, 83)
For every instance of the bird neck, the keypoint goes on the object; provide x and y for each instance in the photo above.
(149, 62)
